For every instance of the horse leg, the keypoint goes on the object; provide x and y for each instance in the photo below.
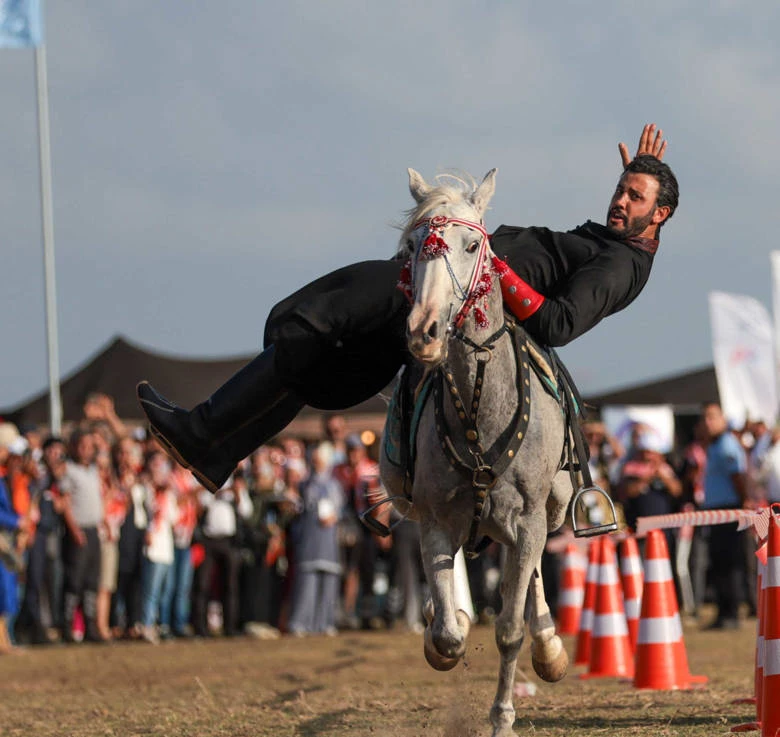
(548, 655)
(509, 623)
(445, 633)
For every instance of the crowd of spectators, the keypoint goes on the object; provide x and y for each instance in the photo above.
(720, 467)
(102, 537)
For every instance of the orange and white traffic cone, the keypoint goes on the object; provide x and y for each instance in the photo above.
(575, 566)
(770, 686)
(632, 579)
(759, 673)
(661, 659)
(582, 656)
(610, 651)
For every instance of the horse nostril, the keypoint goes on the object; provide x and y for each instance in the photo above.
(430, 335)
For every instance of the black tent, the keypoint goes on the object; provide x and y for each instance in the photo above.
(117, 368)
(685, 392)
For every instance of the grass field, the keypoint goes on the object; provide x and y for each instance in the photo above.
(355, 684)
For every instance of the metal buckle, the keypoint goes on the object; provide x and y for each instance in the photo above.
(597, 529)
(483, 477)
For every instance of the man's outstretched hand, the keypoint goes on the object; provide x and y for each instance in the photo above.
(651, 143)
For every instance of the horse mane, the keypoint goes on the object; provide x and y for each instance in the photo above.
(450, 187)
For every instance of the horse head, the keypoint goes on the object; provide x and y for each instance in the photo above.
(448, 275)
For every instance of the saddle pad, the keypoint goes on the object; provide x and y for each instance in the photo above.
(398, 446)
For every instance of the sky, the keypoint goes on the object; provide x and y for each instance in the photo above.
(208, 159)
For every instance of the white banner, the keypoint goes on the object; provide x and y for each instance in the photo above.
(743, 349)
(775, 257)
(657, 422)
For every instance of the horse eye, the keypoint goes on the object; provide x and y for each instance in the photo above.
(473, 246)
(410, 244)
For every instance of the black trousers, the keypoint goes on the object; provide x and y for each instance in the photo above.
(82, 564)
(727, 563)
(220, 554)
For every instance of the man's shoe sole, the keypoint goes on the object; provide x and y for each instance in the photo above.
(174, 454)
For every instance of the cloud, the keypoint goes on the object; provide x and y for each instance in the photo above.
(259, 145)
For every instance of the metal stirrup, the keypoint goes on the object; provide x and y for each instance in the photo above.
(597, 529)
(377, 527)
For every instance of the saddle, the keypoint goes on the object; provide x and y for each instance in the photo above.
(414, 389)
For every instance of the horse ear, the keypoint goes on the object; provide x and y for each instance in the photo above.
(417, 186)
(483, 193)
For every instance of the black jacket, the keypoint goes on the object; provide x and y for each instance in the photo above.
(585, 274)
(341, 339)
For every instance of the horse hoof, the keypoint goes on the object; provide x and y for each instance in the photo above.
(549, 659)
(432, 655)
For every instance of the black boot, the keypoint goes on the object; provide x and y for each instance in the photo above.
(243, 401)
(222, 460)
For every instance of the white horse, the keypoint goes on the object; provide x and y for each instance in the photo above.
(474, 475)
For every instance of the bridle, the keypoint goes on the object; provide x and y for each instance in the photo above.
(432, 246)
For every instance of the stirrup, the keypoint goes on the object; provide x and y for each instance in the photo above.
(377, 527)
(597, 529)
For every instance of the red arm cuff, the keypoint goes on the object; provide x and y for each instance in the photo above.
(521, 298)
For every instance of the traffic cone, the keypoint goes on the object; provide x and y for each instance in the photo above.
(582, 656)
(770, 686)
(759, 672)
(661, 660)
(575, 566)
(610, 651)
(632, 579)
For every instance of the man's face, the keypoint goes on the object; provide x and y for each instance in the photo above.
(632, 210)
(714, 421)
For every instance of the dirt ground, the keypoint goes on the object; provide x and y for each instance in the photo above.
(373, 683)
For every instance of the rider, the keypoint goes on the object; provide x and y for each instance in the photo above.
(341, 339)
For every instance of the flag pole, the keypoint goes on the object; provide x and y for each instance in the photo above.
(47, 221)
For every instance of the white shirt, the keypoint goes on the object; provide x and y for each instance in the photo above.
(220, 517)
(159, 547)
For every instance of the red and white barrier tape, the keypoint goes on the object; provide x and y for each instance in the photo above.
(759, 520)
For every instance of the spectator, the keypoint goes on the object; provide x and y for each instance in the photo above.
(648, 484)
(280, 555)
(725, 487)
(335, 427)
(21, 472)
(158, 551)
(220, 526)
(132, 536)
(175, 605)
(115, 504)
(83, 514)
(44, 555)
(11, 523)
(606, 452)
(358, 545)
(768, 467)
(316, 552)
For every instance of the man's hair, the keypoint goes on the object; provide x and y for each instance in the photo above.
(668, 191)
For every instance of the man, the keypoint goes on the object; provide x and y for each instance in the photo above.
(82, 515)
(725, 487)
(341, 339)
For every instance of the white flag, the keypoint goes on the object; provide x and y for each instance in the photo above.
(656, 421)
(775, 257)
(743, 348)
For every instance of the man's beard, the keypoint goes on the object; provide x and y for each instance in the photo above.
(634, 226)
